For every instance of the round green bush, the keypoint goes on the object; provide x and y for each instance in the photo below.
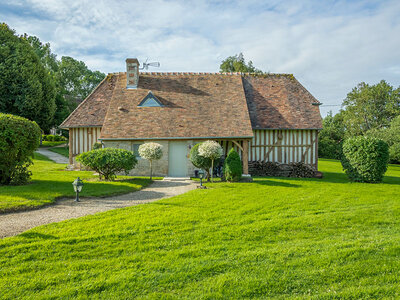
(108, 161)
(19, 138)
(97, 145)
(365, 159)
(199, 161)
(233, 166)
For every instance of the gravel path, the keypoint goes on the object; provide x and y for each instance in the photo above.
(14, 223)
(57, 158)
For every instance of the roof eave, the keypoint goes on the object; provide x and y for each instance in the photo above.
(177, 138)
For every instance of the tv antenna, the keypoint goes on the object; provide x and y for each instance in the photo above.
(146, 65)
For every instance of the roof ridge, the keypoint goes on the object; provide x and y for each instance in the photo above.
(264, 75)
(84, 100)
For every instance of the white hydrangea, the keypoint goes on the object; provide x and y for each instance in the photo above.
(210, 149)
(150, 151)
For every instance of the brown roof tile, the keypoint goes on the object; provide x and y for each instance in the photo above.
(92, 110)
(202, 106)
(279, 101)
(197, 105)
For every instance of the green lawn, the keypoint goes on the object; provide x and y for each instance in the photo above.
(50, 181)
(275, 237)
(64, 151)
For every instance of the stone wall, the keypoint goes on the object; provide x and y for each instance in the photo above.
(160, 167)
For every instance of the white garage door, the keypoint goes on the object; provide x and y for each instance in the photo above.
(177, 160)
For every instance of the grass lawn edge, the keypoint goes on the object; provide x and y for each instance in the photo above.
(56, 200)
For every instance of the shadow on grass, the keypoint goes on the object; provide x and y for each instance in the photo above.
(270, 182)
(331, 177)
(37, 235)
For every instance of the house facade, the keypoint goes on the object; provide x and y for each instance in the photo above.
(269, 117)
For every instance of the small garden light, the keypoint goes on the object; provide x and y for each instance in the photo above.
(78, 185)
(201, 176)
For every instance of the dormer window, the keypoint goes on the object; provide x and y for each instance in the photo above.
(150, 101)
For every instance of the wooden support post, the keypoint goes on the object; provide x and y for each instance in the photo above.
(70, 131)
(245, 157)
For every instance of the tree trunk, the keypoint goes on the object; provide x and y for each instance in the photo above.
(212, 170)
(151, 170)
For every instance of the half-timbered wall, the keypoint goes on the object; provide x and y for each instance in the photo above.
(284, 146)
(83, 139)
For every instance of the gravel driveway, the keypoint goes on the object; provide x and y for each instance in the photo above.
(14, 223)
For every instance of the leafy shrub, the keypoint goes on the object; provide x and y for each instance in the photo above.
(97, 146)
(211, 150)
(53, 138)
(19, 138)
(108, 161)
(365, 159)
(233, 166)
(199, 161)
(151, 151)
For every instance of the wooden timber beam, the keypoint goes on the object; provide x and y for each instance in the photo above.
(237, 144)
(245, 156)
(303, 157)
(70, 132)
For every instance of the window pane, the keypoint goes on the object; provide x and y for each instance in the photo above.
(151, 102)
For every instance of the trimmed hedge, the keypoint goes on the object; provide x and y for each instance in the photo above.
(19, 138)
(233, 166)
(365, 159)
(108, 161)
(53, 138)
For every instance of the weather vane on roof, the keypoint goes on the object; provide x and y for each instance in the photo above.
(146, 65)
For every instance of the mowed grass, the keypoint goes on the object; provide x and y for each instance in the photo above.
(64, 151)
(280, 238)
(51, 181)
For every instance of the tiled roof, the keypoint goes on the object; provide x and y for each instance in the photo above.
(279, 101)
(197, 105)
(201, 106)
(92, 111)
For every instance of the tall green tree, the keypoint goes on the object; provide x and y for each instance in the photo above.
(391, 135)
(237, 63)
(331, 137)
(73, 80)
(369, 107)
(26, 88)
(43, 51)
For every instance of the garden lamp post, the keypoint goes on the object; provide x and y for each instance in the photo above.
(78, 185)
(201, 175)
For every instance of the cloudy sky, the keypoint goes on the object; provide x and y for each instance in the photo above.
(330, 46)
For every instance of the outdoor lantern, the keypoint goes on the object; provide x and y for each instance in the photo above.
(78, 185)
(201, 176)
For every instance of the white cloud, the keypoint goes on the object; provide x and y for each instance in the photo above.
(329, 46)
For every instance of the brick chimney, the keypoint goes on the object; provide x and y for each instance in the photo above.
(132, 73)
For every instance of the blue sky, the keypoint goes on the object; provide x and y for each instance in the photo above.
(329, 46)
